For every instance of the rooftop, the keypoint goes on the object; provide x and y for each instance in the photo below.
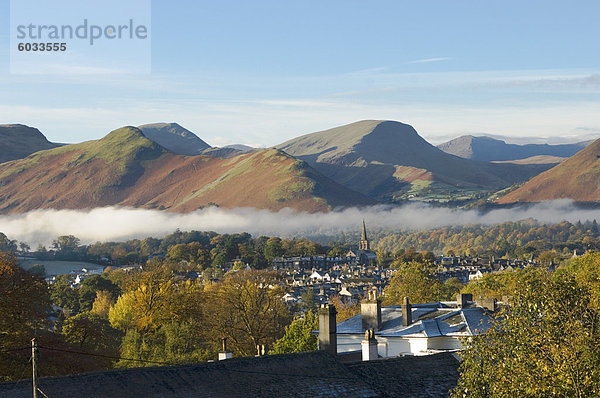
(429, 320)
(310, 374)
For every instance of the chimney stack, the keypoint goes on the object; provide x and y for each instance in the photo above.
(369, 346)
(327, 328)
(462, 299)
(406, 312)
(224, 354)
(370, 311)
(489, 304)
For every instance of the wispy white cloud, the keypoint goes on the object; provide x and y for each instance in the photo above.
(428, 60)
(371, 91)
(434, 103)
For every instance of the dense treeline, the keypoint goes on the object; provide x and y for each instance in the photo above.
(199, 250)
(520, 239)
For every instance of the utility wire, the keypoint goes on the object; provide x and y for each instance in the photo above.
(105, 356)
(20, 377)
(14, 349)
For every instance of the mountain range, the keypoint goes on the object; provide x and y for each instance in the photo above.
(125, 168)
(389, 161)
(18, 141)
(166, 166)
(576, 178)
(489, 149)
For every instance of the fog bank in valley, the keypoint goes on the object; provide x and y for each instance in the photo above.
(115, 224)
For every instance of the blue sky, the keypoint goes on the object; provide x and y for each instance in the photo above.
(262, 72)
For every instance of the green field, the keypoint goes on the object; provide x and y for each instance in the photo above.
(58, 267)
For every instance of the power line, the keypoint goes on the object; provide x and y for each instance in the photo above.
(107, 356)
(14, 349)
(22, 375)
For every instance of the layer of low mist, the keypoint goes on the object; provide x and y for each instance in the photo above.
(116, 224)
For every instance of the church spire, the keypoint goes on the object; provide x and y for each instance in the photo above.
(364, 232)
(364, 241)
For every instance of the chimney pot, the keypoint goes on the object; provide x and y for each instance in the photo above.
(369, 346)
(224, 354)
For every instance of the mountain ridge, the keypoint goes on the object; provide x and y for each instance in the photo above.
(389, 160)
(576, 178)
(175, 138)
(490, 149)
(18, 141)
(125, 168)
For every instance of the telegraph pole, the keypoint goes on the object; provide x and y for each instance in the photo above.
(34, 366)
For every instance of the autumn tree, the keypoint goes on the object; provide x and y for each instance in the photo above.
(247, 308)
(91, 333)
(24, 307)
(104, 300)
(142, 307)
(586, 270)
(496, 285)
(90, 286)
(298, 335)
(417, 281)
(162, 320)
(547, 343)
(345, 308)
(549, 257)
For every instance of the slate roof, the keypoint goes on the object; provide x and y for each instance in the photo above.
(429, 320)
(311, 374)
(419, 376)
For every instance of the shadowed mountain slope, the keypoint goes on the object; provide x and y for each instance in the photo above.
(18, 141)
(388, 160)
(489, 149)
(175, 138)
(577, 178)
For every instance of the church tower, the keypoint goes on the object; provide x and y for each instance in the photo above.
(364, 242)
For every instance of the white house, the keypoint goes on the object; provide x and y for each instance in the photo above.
(410, 329)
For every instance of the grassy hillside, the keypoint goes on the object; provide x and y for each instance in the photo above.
(125, 168)
(576, 178)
